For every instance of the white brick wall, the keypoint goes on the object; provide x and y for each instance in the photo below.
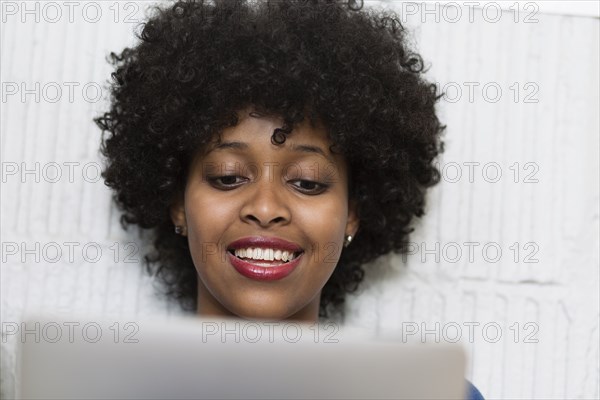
(554, 60)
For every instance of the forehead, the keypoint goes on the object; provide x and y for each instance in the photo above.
(255, 127)
(253, 133)
(307, 145)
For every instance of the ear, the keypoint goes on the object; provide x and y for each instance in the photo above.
(177, 212)
(353, 220)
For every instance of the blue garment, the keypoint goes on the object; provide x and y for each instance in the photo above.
(473, 393)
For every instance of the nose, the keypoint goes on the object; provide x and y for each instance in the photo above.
(266, 204)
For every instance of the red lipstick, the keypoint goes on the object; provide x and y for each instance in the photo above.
(259, 272)
(264, 242)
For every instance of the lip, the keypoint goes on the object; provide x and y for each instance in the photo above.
(259, 273)
(264, 242)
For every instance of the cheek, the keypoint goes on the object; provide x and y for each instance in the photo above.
(325, 226)
(207, 217)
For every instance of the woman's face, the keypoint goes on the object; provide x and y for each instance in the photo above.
(247, 188)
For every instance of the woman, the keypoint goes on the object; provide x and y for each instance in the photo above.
(272, 149)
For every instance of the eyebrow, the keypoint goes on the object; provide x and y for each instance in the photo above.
(299, 148)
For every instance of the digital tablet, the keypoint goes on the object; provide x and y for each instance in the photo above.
(228, 359)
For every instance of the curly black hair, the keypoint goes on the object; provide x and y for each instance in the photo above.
(198, 62)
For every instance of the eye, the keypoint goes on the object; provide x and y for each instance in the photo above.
(225, 182)
(311, 187)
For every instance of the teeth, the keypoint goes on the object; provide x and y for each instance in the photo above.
(265, 254)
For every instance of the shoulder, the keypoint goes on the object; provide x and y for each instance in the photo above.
(473, 393)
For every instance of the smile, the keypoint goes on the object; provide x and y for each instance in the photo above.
(264, 258)
(264, 270)
(273, 256)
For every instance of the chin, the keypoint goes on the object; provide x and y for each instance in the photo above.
(258, 314)
(261, 311)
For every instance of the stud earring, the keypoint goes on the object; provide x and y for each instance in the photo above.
(347, 240)
(178, 229)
